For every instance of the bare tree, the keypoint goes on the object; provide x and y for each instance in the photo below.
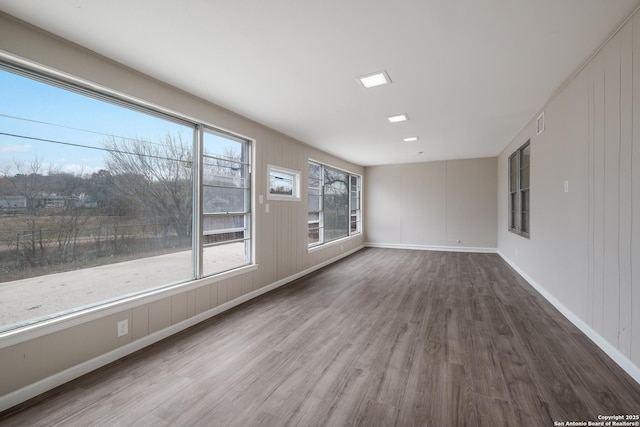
(28, 181)
(157, 176)
(30, 243)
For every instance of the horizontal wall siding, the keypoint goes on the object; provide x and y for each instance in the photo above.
(279, 235)
(584, 247)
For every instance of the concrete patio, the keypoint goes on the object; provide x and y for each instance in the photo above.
(40, 298)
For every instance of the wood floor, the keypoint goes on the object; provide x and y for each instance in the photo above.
(384, 337)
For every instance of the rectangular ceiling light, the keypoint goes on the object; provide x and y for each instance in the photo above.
(411, 139)
(398, 118)
(375, 79)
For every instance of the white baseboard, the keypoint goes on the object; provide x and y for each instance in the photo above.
(21, 395)
(615, 354)
(431, 248)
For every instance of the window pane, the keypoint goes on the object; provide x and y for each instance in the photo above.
(315, 188)
(524, 178)
(336, 204)
(524, 201)
(513, 218)
(226, 188)
(525, 223)
(355, 201)
(355, 223)
(355, 204)
(315, 172)
(314, 233)
(216, 259)
(513, 173)
(224, 177)
(222, 223)
(225, 147)
(216, 199)
(525, 154)
(281, 183)
(314, 203)
(92, 184)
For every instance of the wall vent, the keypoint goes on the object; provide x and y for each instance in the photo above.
(540, 124)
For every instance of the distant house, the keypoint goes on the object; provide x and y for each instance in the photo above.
(13, 202)
(53, 201)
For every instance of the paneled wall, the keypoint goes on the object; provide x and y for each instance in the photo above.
(447, 204)
(584, 249)
(280, 235)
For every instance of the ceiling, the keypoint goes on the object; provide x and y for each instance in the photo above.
(470, 74)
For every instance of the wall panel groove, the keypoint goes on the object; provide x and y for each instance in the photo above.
(607, 186)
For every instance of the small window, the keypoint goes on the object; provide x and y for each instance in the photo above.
(284, 184)
(519, 207)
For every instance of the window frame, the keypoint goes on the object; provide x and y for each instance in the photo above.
(272, 171)
(246, 165)
(519, 195)
(101, 93)
(355, 214)
(352, 213)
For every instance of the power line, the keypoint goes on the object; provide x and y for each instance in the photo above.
(109, 150)
(24, 119)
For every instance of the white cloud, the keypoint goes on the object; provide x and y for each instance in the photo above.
(73, 168)
(15, 148)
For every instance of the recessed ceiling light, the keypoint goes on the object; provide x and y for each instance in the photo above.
(375, 79)
(398, 118)
(411, 139)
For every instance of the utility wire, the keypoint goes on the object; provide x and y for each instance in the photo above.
(24, 119)
(109, 150)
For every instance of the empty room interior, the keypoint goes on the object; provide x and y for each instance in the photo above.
(320, 213)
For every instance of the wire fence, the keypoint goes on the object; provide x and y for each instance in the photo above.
(71, 241)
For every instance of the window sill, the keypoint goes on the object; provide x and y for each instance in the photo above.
(331, 243)
(525, 235)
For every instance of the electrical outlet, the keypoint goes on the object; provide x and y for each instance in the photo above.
(123, 327)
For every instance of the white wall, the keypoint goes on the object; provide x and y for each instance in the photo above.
(435, 205)
(584, 249)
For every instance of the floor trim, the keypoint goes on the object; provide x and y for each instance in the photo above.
(431, 248)
(32, 390)
(615, 354)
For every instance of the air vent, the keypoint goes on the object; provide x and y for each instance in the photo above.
(540, 124)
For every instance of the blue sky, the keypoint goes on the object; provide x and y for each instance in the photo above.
(69, 117)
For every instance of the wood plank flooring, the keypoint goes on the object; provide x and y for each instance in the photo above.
(383, 337)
